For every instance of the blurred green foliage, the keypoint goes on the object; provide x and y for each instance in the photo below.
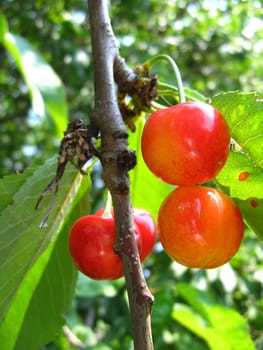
(217, 45)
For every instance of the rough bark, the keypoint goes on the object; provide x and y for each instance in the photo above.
(116, 161)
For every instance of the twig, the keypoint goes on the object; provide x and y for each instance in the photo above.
(72, 338)
(76, 143)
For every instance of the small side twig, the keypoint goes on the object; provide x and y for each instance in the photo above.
(76, 143)
(138, 82)
(72, 338)
(137, 88)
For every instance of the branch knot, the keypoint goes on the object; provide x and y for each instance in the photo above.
(127, 159)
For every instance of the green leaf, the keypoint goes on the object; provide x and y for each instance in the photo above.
(247, 193)
(147, 191)
(194, 95)
(220, 326)
(244, 114)
(9, 185)
(42, 299)
(47, 90)
(3, 26)
(89, 288)
(100, 347)
(21, 240)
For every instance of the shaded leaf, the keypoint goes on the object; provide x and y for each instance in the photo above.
(88, 288)
(221, 327)
(194, 95)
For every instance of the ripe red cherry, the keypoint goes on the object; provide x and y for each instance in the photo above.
(147, 230)
(200, 227)
(186, 144)
(91, 245)
(146, 225)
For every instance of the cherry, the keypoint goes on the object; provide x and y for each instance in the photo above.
(200, 227)
(146, 224)
(186, 144)
(91, 246)
(92, 238)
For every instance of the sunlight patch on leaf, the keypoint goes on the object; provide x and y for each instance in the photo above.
(47, 91)
(242, 176)
(244, 114)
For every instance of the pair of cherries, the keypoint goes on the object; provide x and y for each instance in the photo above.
(92, 238)
(187, 145)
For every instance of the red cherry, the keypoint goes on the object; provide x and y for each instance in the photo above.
(200, 227)
(147, 230)
(186, 144)
(91, 245)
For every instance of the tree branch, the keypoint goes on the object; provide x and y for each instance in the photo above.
(116, 161)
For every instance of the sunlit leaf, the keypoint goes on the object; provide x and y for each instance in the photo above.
(3, 26)
(247, 192)
(42, 300)
(242, 176)
(244, 114)
(21, 239)
(47, 90)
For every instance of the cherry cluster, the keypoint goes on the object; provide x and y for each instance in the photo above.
(92, 238)
(187, 145)
(200, 227)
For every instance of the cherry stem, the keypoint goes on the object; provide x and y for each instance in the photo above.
(176, 70)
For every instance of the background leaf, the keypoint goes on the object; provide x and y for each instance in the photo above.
(88, 288)
(220, 326)
(20, 248)
(3, 26)
(47, 90)
(232, 35)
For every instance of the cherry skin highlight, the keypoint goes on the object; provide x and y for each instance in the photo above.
(186, 144)
(200, 227)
